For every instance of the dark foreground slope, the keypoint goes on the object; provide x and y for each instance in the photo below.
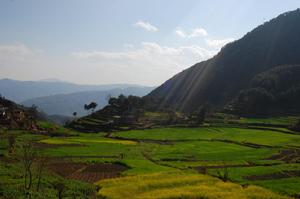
(219, 80)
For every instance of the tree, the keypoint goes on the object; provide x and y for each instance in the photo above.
(225, 176)
(108, 98)
(200, 115)
(296, 127)
(60, 188)
(27, 158)
(11, 143)
(33, 112)
(113, 101)
(86, 107)
(92, 106)
(172, 116)
(253, 101)
(40, 167)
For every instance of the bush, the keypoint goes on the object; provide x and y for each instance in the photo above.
(296, 127)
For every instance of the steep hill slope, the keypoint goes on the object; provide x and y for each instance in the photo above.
(218, 80)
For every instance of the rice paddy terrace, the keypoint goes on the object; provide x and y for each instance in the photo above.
(205, 162)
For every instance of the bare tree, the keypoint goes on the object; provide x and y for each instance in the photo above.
(40, 164)
(60, 188)
(225, 175)
(27, 159)
(11, 143)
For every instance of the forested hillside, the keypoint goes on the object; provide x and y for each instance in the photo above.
(219, 80)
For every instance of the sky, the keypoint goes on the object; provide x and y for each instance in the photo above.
(141, 42)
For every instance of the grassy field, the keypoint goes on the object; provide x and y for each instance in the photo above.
(268, 121)
(168, 162)
(256, 136)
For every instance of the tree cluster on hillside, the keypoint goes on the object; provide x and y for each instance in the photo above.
(15, 116)
(296, 127)
(127, 107)
(274, 91)
(90, 106)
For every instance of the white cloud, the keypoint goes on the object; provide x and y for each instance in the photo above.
(197, 32)
(218, 43)
(152, 54)
(146, 26)
(150, 62)
(17, 53)
(180, 33)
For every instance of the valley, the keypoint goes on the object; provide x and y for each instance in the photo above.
(218, 117)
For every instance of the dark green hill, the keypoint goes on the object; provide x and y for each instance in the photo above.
(271, 92)
(219, 80)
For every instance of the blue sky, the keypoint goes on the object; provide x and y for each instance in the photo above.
(121, 41)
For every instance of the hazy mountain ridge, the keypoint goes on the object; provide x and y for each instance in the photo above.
(66, 104)
(218, 80)
(19, 91)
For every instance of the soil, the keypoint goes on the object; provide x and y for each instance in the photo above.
(273, 176)
(99, 171)
(87, 172)
(288, 156)
(100, 167)
(92, 177)
(65, 169)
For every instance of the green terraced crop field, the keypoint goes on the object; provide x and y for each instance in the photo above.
(192, 161)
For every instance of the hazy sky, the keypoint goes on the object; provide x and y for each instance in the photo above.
(121, 41)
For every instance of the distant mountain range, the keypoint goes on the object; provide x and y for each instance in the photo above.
(55, 97)
(66, 104)
(19, 91)
(218, 81)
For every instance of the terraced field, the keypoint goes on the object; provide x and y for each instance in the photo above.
(249, 155)
(246, 153)
(203, 162)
